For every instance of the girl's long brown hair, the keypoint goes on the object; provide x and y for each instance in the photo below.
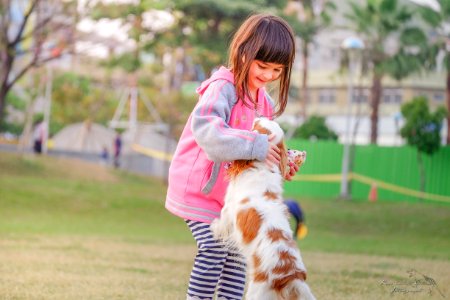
(267, 38)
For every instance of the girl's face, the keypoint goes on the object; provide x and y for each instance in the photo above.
(261, 73)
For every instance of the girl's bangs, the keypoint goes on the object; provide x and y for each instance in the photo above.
(275, 47)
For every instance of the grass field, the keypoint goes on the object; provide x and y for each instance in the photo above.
(72, 230)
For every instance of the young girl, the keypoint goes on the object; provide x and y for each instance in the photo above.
(217, 133)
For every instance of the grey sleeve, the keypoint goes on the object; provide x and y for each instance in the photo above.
(212, 132)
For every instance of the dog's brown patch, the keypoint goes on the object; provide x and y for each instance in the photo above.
(245, 201)
(256, 261)
(239, 166)
(271, 195)
(300, 274)
(276, 235)
(281, 282)
(249, 221)
(286, 263)
(284, 168)
(286, 267)
(260, 129)
(260, 276)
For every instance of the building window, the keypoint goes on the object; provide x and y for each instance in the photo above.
(327, 96)
(296, 93)
(422, 94)
(360, 95)
(438, 97)
(392, 96)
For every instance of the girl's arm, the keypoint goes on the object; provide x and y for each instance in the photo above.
(212, 132)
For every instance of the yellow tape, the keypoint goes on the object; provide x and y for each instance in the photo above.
(322, 177)
(370, 181)
(151, 152)
(399, 189)
(319, 178)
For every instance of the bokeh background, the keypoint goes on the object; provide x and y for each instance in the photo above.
(369, 102)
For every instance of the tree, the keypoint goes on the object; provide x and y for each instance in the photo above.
(199, 35)
(378, 22)
(32, 33)
(439, 20)
(422, 130)
(133, 16)
(16, 103)
(307, 19)
(315, 127)
(200, 30)
(209, 25)
(76, 98)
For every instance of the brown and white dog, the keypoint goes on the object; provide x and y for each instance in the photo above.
(255, 219)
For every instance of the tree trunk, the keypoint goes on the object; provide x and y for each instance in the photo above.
(304, 91)
(3, 93)
(6, 66)
(25, 137)
(4, 89)
(374, 104)
(448, 107)
(422, 172)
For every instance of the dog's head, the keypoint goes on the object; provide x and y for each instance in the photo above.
(263, 126)
(266, 126)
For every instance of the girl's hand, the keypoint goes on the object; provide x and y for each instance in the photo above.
(273, 154)
(293, 169)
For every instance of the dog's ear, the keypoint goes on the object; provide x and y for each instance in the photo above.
(284, 169)
(238, 166)
(258, 128)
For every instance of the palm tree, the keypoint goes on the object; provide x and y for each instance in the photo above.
(438, 18)
(378, 22)
(307, 18)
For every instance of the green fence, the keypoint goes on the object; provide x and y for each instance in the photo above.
(393, 170)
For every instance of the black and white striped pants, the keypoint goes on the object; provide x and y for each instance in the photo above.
(216, 267)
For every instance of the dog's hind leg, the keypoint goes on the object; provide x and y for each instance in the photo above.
(222, 227)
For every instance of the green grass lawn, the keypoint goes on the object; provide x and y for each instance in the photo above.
(73, 230)
(41, 195)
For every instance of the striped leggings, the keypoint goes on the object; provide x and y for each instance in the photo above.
(215, 267)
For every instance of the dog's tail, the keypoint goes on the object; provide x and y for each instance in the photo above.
(298, 290)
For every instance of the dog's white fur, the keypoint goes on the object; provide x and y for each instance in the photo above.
(258, 189)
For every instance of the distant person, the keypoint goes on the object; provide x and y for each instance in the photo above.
(117, 150)
(104, 156)
(217, 132)
(38, 137)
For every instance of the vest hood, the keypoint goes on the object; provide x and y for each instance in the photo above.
(222, 73)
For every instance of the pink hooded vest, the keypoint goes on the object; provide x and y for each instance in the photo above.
(217, 132)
